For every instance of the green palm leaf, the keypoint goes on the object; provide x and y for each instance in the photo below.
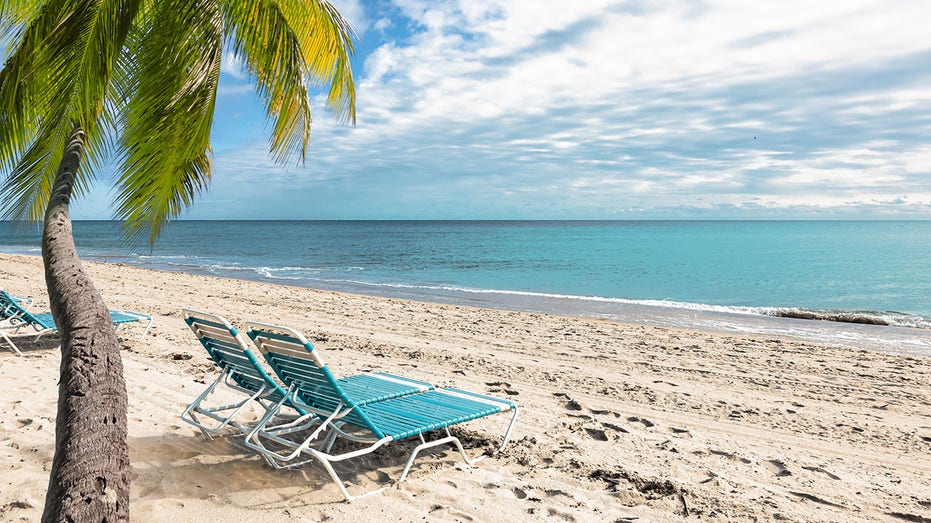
(165, 143)
(58, 77)
(285, 46)
(140, 79)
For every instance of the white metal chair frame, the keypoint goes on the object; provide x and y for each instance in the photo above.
(331, 427)
(226, 414)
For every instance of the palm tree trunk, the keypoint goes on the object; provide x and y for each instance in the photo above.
(90, 474)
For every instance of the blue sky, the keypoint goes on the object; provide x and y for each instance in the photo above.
(533, 109)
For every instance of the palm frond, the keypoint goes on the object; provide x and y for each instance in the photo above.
(105, 36)
(36, 94)
(20, 96)
(140, 78)
(170, 85)
(26, 191)
(326, 41)
(57, 77)
(284, 44)
(16, 14)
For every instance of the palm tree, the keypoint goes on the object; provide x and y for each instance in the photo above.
(92, 83)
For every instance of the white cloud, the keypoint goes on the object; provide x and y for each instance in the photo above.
(232, 65)
(382, 25)
(512, 108)
(354, 13)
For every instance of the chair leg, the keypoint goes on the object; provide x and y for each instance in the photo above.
(146, 329)
(507, 433)
(190, 413)
(325, 460)
(333, 475)
(329, 441)
(262, 430)
(455, 441)
(11, 344)
(436, 443)
(321, 453)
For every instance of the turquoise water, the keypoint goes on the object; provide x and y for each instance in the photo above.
(852, 271)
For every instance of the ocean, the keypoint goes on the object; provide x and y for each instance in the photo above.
(859, 284)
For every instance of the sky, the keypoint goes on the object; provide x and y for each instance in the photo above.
(538, 109)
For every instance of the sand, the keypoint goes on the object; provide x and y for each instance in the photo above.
(619, 422)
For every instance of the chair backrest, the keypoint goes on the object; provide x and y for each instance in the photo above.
(230, 351)
(8, 305)
(297, 363)
(11, 309)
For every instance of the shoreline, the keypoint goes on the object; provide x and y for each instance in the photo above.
(619, 420)
(890, 332)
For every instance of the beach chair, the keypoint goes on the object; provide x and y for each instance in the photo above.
(8, 311)
(373, 423)
(20, 322)
(241, 372)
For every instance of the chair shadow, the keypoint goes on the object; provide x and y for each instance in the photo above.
(185, 466)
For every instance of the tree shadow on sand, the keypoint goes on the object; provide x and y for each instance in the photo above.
(29, 344)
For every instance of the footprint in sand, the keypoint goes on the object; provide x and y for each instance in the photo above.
(571, 404)
(457, 514)
(596, 434)
(602, 412)
(382, 476)
(816, 499)
(553, 492)
(821, 470)
(711, 477)
(730, 455)
(614, 427)
(682, 433)
(565, 516)
(646, 423)
(501, 386)
(777, 467)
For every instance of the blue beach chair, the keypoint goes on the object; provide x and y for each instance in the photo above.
(7, 312)
(241, 372)
(20, 322)
(373, 423)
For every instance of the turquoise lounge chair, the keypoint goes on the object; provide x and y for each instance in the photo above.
(7, 312)
(20, 322)
(241, 372)
(373, 423)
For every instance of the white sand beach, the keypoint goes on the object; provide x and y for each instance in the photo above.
(619, 422)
